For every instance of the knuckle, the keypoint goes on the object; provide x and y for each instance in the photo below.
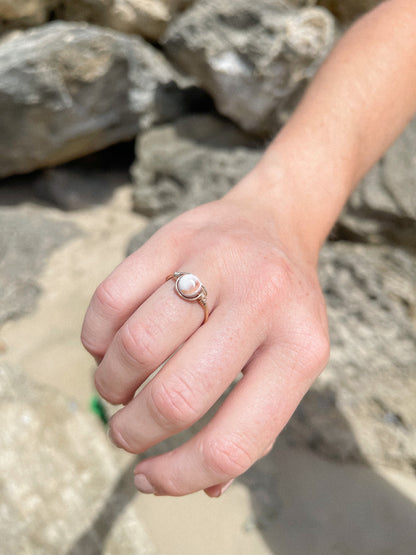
(104, 391)
(89, 344)
(116, 433)
(100, 386)
(107, 297)
(111, 395)
(104, 304)
(139, 344)
(313, 349)
(174, 404)
(168, 486)
(228, 457)
(321, 349)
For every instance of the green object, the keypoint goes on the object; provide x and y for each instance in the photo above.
(97, 407)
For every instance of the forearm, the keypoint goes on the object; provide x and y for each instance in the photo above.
(358, 103)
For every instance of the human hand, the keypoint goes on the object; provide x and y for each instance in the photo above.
(267, 320)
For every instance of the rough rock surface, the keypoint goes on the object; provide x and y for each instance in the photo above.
(91, 11)
(60, 482)
(191, 161)
(254, 58)
(80, 184)
(384, 205)
(24, 13)
(148, 18)
(347, 10)
(69, 89)
(370, 384)
(27, 237)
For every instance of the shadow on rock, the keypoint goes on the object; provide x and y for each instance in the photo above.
(305, 503)
(78, 185)
(93, 541)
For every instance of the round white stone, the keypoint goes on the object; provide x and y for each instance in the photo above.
(189, 286)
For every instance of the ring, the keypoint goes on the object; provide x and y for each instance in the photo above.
(190, 288)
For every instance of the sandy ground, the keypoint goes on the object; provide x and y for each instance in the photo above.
(320, 507)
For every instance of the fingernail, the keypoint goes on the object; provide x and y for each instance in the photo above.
(226, 486)
(219, 490)
(143, 484)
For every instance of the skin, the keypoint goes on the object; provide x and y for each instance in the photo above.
(256, 251)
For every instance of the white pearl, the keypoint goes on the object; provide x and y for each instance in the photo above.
(189, 286)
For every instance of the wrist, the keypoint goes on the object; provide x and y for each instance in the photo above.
(297, 200)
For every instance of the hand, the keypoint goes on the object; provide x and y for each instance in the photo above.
(267, 320)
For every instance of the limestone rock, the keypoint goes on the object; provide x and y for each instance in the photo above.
(369, 386)
(27, 237)
(91, 11)
(62, 486)
(68, 89)
(254, 58)
(191, 161)
(148, 18)
(87, 182)
(347, 10)
(24, 13)
(384, 205)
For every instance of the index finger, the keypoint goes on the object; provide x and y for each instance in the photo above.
(125, 289)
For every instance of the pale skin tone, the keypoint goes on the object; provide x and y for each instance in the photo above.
(256, 251)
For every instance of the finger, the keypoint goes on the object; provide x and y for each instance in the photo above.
(240, 433)
(189, 384)
(125, 289)
(157, 328)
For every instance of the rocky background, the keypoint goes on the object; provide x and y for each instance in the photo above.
(115, 115)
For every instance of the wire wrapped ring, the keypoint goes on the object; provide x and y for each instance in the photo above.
(190, 289)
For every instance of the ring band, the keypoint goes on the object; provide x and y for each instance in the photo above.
(190, 289)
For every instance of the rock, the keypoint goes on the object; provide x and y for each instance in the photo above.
(91, 11)
(87, 182)
(384, 205)
(63, 489)
(254, 58)
(24, 13)
(74, 188)
(194, 160)
(27, 238)
(348, 10)
(191, 161)
(369, 386)
(148, 18)
(68, 89)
